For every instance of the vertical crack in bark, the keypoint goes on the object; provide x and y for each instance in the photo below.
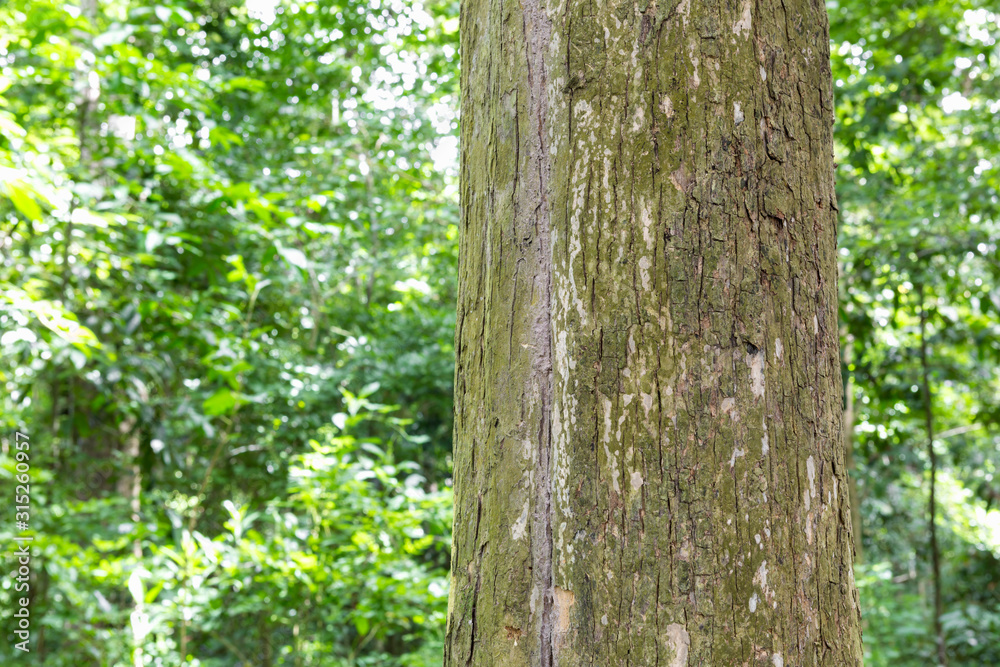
(538, 34)
(475, 599)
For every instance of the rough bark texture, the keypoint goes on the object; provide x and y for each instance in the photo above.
(648, 458)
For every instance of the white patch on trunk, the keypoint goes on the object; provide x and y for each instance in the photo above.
(562, 602)
(613, 461)
(636, 481)
(563, 418)
(811, 473)
(607, 421)
(763, 73)
(777, 660)
(561, 545)
(648, 226)
(756, 364)
(736, 454)
(666, 106)
(640, 113)
(562, 353)
(519, 528)
(612, 457)
(778, 348)
(644, 265)
(684, 9)
(761, 580)
(754, 599)
(815, 324)
(680, 641)
(527, 447)
(742, 27)
(737, 113)
(764, 447)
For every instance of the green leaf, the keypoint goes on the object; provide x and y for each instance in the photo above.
(154, 240)
(244, 83)
(82, 216)
(23, 200)
(221, 402)
(9, 126)
(294, 256)
(136, 587)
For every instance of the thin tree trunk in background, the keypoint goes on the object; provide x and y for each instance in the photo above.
(649, 462)
(265, 640)
(129, 483)
(931, 500)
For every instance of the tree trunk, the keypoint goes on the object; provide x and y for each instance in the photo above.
(649, 466)
(925, 392)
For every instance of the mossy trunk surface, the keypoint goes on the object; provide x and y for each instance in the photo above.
(649, 467)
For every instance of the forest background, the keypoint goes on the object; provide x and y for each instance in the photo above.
(229, 233)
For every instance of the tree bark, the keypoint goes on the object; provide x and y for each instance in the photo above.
(649, 466)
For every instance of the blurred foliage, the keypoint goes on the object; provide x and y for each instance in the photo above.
(917, 87)
(229, 233)
(228, 229)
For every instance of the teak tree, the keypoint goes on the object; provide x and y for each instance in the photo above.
(649, 467)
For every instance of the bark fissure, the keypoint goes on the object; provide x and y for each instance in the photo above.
(537, 33)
